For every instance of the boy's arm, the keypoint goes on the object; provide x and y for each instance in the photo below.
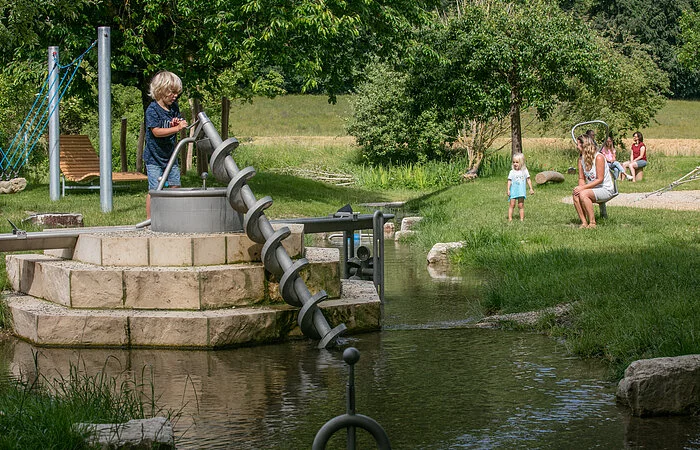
(165, 132)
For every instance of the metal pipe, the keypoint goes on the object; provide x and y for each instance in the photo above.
(54, 127)
(171, 162)
(104, 77)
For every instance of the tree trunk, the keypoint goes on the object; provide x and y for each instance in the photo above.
(549, 175)
(516, 134)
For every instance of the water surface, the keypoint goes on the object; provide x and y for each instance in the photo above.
(428, 380)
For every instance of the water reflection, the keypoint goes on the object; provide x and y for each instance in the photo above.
(428, 380)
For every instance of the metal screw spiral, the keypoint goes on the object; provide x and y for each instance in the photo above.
(258, 228)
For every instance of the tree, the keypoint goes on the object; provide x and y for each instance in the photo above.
(485, 61)
(632, 91)
(322, 43)
(689, 53)
(655, 25)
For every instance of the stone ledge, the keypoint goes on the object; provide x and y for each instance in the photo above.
(81, 285)
(148, 248)
(47, 324)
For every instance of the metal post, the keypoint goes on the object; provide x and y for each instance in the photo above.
(54, 127)
(104, 76)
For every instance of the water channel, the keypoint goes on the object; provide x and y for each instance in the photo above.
(428, 380)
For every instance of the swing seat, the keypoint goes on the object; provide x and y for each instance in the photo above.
(80, 164)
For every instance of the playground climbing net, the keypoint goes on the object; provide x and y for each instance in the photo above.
(47, 100)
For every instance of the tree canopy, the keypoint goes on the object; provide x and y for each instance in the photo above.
(323, 44)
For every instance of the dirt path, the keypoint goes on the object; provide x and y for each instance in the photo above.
(676, 200)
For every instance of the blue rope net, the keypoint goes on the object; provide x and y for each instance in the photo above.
(20, 149)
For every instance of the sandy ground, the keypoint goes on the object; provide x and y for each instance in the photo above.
(676, 200)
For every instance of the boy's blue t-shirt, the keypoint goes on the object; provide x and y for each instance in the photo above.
(518, 179)
(158, 150)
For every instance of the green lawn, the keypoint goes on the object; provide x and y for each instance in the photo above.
(633, 281)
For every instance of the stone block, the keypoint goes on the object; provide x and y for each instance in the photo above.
(161, 288)
(93, 329)
(323, 272)
(661, 386)
(170, 251)
(13, 268)
(224, 286)
(96, 287)
(242, 326)
(55, 278)
(21, 272)
(88, 249)
(124, 251)
(63, 253)
(45, 323)
(23, 321)
(156, 432)
(239, 248)
(209, 250)
(168, 329)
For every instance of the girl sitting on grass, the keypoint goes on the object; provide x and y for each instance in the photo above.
(517, 179)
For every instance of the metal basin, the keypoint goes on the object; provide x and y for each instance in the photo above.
(189, 210)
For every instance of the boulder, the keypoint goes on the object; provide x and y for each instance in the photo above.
(661, 386)
(439, 254)
(401, 234)
(56, 220)
(408, 223)
(389, 230)
(134, 434)
(13, 186)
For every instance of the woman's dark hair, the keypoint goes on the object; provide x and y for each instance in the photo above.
(641, 138)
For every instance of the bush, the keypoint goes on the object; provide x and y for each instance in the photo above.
(386, 127)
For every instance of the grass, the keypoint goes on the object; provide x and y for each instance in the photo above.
(632, 280)
(42, 413)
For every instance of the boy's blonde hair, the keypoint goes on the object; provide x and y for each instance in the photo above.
(519, 157)
(163, 83)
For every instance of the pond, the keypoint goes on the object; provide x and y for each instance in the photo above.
(429, 381)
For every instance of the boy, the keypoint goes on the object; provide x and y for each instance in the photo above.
(163, 122)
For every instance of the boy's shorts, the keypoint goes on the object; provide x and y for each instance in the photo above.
(155, 172)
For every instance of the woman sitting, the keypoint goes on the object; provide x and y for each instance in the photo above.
(638, 157)
(595, 184)
(608, 151)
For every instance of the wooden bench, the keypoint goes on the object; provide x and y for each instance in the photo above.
(80, 163)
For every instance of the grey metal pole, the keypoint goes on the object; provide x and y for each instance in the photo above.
(54, 127)
(104, 76)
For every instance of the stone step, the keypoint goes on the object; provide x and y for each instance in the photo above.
(45, 323)
(149, 248)
(80, 285)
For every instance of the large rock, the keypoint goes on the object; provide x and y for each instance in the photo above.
(134, 434)
(661, 386)
(409, 223)
(439, 254)
(13, 186)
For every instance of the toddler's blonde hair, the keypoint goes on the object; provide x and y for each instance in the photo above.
(163, 83)
(519, 157)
